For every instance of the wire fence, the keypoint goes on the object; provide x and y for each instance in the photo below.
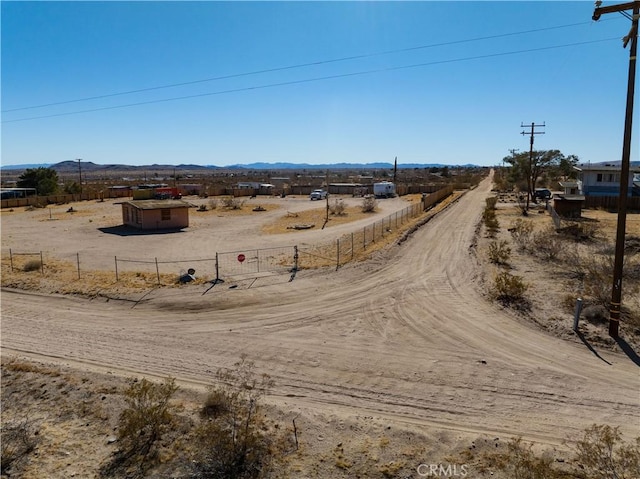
(260, 261)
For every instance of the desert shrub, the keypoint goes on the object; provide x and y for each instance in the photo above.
(595, 314)
(599, 454)
(213, 203)
(369, 204)
(233, 439)
(603, 454)
(597, 277)
(232, 203)
(546, 244)
(19, 438)
(509, 289)
(337, 207)
(580, 231)
(490, 221)
(499, 252)
(521, 231)
(491, 202)
(202, 208)
(523, 463)
(32, 265)
(148, 415)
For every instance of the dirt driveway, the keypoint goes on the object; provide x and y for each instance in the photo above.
(406, 337)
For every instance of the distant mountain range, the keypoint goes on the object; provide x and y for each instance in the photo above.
(90, 166)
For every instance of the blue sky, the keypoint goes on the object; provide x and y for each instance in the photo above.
(427, 85)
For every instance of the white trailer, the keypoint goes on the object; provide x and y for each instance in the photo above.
(384, 189)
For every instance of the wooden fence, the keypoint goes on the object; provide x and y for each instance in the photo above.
(611, 202)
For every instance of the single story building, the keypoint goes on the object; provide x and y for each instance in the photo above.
(156, 214)
(603, 179)
(569, 203)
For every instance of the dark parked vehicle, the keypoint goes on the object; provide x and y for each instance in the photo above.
(542, 194)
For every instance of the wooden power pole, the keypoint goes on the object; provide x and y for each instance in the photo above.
(530, 186)
(632, 39)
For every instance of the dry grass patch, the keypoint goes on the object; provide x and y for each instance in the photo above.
(61, 277)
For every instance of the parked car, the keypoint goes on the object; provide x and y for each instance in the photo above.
(542, 194)
(318, 195)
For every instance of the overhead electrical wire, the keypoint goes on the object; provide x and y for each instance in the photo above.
(309, 80)
(291, 67)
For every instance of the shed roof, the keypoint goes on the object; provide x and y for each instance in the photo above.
(157, 204)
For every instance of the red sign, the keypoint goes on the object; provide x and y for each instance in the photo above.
(241, 257)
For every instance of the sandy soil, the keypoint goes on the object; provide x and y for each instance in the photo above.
(407, 338)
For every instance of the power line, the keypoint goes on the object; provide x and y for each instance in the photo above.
(310, 80)
(291, 67)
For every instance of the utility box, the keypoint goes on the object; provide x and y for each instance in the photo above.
(384, 189)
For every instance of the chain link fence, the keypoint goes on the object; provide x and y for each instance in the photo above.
(241, 263)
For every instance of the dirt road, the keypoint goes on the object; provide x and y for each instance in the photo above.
(406, 337)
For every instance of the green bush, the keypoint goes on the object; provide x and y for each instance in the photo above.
(509, 289)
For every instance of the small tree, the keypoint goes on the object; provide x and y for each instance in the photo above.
(44, 180)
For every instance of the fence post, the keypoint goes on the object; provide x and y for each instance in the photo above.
(157, 271)
(116, 260)
(41, 264)
(364, 238)
(295, 258)
(78, 261)
(576, 315)
(258, 259)
(352, 246)
(11, 259)
(337, 254)
(217, 269)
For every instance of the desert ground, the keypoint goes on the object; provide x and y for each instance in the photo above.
(405, 341)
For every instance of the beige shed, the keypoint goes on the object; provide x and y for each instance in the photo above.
(156, 214)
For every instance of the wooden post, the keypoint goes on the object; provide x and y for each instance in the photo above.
(41, 264)
(78, 261)
(157, 271)
(337, 253)
(11, 259)
(116, 259)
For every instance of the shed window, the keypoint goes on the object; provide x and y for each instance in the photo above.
(165, 214)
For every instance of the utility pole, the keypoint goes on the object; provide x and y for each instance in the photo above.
(395, 169)
(632, 37)
(80, 176)
(530, 187)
